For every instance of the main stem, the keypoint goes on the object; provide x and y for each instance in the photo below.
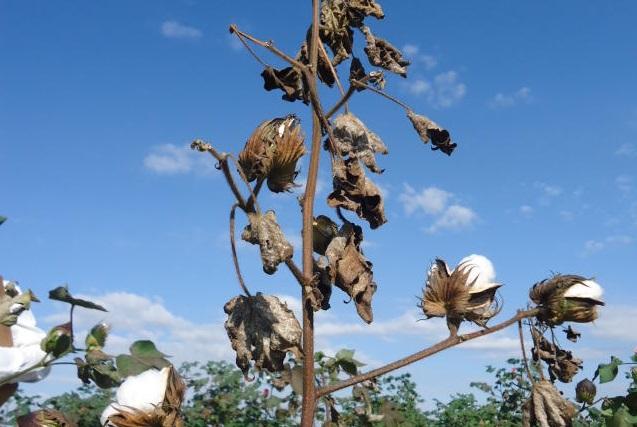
(309, 388)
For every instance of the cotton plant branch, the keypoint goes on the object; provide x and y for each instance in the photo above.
(233, 247)
(448, 342)
(269, 45)
(523, 351)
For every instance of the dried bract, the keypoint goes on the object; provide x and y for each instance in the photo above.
(567, 298)
(289, 149)
(352, 272)
(547, 408)
(561, 363)
(466, 293)
(264, 231)
(262, 329)
(383, 54)
(429, 130)
(355, 192)
(353, 139)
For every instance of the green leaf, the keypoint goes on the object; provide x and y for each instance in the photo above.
(145, 349)
(96, 338)
(144, 355)
(348, 366)
(344, 354)
(608, 371)
(2, 219)
(634, 357)
(61, 293)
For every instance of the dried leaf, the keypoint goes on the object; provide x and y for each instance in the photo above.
(322, 290)
(324, 70)
(561, 363)
(547, 407)
(334, 29)
(289, 80)
(359, 9)
(61, 293)
(353, 139)
(45, 418)
(429, 130)
(351, 271)
(264, 231)
(355, 192)
(262, 329)
(323, 231)
(571, 334)
(383, 54)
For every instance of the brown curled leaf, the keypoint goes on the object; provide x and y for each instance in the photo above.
(262, 329)
(353, 139)
(383, 54)
(335, 29)
(351, 271)
(45, 418)
(355, 192)
(359, 9)
(357, 73)
(289, 80)
(264, 231)
(429, 130)
(324, 70)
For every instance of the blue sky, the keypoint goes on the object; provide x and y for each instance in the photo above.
(98, 102)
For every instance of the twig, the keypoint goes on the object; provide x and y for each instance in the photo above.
(247, 46)
(436, 348)
(297, 273)
(343, 101)
(233, 246)
(526, 361)
(381, 93)
(254, 195)
(223, 164)
(268, 45)
(244, 178)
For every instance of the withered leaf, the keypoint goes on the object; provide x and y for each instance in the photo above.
(353, 139)
(45, 418)
(561, 363)
(571, 334)
(357, 73)
(383, 54)
(352, 272)
(429, 130)
(355, 192)
(359, 9)
(289, 80)
(335, 29)
(324, 71)
(264, 231)
(322, 291)
(262, 329)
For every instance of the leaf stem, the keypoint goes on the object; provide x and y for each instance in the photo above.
(381, 93)
(233, 247)
(268, 45)
(523, 350)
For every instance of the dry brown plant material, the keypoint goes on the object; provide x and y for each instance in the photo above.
(383, 54)
(264, 231)
(353, 139)
(547, 407)
(430, 131)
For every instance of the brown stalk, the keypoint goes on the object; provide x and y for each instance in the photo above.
(309, 387)
(449, 342)
(233, 246)
(332, 69)
(269, 45)
(381, 93)
(523, 350)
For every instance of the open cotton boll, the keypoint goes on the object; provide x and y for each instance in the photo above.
(143, 392)
(481, 271)
(26, 351)
(588, 289)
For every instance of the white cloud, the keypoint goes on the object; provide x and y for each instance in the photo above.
(170, 159)
(624, 183)
(594, 246)
(431, 200)
(435, 202)
(548, 192)
(612, 323)
(526, 210)
(176, 30)
(134, 317)
(506, 100)
(454, 218)
(626, 150)
(412, 51)
(444, 91)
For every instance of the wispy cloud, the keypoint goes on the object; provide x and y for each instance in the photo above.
(547, 192)
(443, 91)
(507, 100)
(626, 150)
(436, 202)
(176, 30)
(594, 246)
(170, 159)
(526, 210)
(412, 51)
(624, 183)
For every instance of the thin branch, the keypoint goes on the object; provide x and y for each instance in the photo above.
(255, 193)
(523, 350)
(297, 273)
(249, 49)
(343, 101)
(244, 178)
(436, 348)
(223, 164)
(268, 45)
(381, 93)
(233, 246)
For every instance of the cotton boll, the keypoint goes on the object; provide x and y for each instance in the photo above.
(588, 289)
(480, 269)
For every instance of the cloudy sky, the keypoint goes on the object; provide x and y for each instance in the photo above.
(98, 103)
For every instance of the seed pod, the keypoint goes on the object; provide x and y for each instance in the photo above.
(275, 144)
(567, 298)
(585, 391)
(466, 293)
(59, 340)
